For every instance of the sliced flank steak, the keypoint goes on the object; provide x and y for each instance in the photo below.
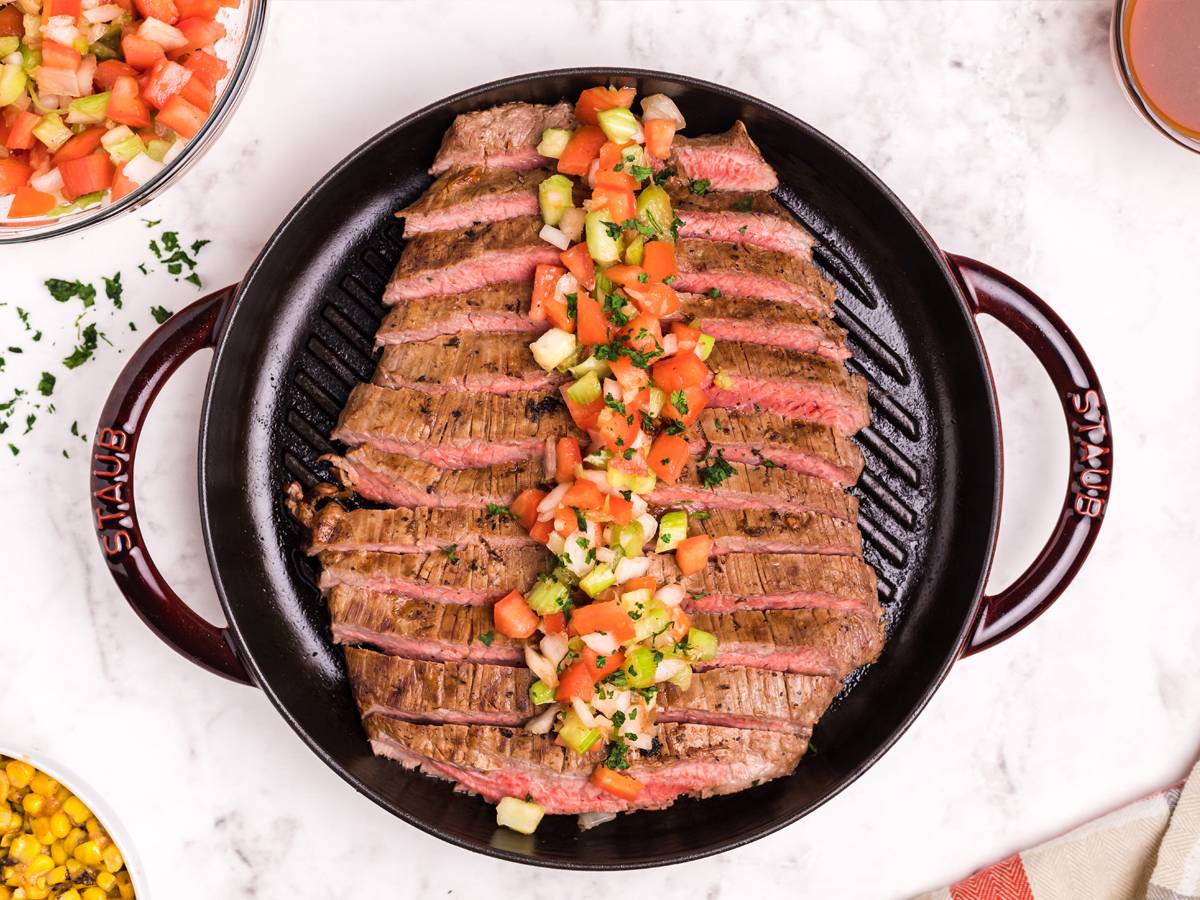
(466, 259)
(743, 271)
(791, 384)
(728, 162)
(497, 308)
(756, 321)
(497, 762)
(502, 137)
(474, 363)
(452, 430)
(753, 487)
(772, 531)
(757, 219)
(421, 530)
(465, 197)
(467, 693)
(473, 575)
(400, 480)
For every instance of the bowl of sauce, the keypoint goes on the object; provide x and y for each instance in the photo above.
(1156, 52)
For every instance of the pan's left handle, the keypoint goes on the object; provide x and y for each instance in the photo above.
(112, 494)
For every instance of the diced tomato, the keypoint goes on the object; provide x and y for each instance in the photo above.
(583, 416)
(658, 259)
(13, 174)
(125, 105)
(52, 8)
(583, 494)
(158, 9)
(610, 157)
(541, 531)
(593, 327)
(619, 508)
(39, 157)
(513, 617)
(181, 117)
(667, 457)
(20, 135)
(692, 553)
(86, 175)
(59, 56)
(629, 376)
(206, 67)
(694, 399)
(30, 202)
(583, 147)
(122, 185)
(205, 9)
(579, 263)
(565, 521)
(545, 277)
(680, 623)
(655, 299)
(109, 71)
(231, 4)
(576, 681)
(598, 670)
(643, 334)
(617, 181)
(554, 623)
(617, 429)
(567, 456)
(11, 21)
(686, 337)
(624, 275)
(525, 506)
(620, 202)
(624, 786)
(141, 53)
(80, 145)
(592, 100)
(166, 80)
(199, 32)
(646, 582)
(659, 135)
(683, 370)
(558, 313)
(609, 617)
(199, 94)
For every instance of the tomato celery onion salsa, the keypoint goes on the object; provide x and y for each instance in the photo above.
(50, 843)
(98, 96)
(602, 633)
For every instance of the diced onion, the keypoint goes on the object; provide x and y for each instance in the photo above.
(670, 343)
(669, 595)
(543, 721)
(173, 151)
(49, 183)
(142, 168)
(541, 667)
(571, 223)
(62, 30)
(599, 479)
(13, 59)
(592, 819)
(605, 554)
(552, 235)
(549, 460)
(632, 568)
(85, 74)
(166, 36)
(105, 13)
(591, 172)
(601, 643)
(566, 284)
(555, 543)
(649, 525)
(550, 502)
(669, 668)
(660, 106)
(585, 714)
(639, 505)
(554, 647)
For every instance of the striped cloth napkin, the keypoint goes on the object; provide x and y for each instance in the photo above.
(1149, 849)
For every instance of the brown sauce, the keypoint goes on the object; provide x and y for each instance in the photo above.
(1162, 41)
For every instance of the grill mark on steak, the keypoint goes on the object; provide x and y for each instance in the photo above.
(746, 271)
(729, 162)
(475, 363)
(755, 487)
(452, 430)
(757, 321)
(756, 219)
(464, 197)
(466, 259)
(502, 137)
(400, 480)
(497, 308)
(766, 439)
(473, 575)
(694, 760)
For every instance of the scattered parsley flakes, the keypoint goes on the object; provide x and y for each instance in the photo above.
(745, 204)
(742, 230)
(764, 462)
(487, 637)
(572, 305)
(663, 176)
(84, 350)
(641, 173)
(150, 223)
(714, 293)
(700, 186)
(46, 385)
(679, 401)
(161, 314)
(196, 245)
(62, 291)
(14, 449)
(452, 554)
(715, 472)
(113, 289)
(498, 511)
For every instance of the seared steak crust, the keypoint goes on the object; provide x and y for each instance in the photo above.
(500, 307)
(400, 480)
(465, 197)
(729, 162)
(474, 363)
(421, 530)
(757, 321)
(756, 487)
(756, 219)
(502, 137)
(746, 271)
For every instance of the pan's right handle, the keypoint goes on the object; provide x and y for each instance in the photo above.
(113, 451)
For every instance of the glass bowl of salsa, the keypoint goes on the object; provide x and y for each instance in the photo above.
(1156, 52)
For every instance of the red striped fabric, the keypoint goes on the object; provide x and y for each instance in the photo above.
(1006, 880)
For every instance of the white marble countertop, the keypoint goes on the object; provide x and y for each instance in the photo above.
(999, 123)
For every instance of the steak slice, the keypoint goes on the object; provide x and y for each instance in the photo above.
(400, 480)
(502, 137)
(745, 271)
(756, 487)
(757, 219)
(496, 762)
(772, 531)
(738, 581)
(500, 307)
(473, 575)
(421, 530)
(792, 384)
(468, 693)
(475, 363)
(473, 196)
(452, 430)
(756, 321)
(728, 162)
(452, 262)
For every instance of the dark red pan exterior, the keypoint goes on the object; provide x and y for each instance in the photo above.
(294, 336)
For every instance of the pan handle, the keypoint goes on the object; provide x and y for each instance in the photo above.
(112, 494)
(1089, 479)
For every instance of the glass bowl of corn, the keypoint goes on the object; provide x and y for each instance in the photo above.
(58, 841)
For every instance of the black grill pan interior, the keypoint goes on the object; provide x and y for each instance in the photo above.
(302, 335)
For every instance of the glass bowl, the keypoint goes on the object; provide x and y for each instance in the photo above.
(239, 48)
(100, 809)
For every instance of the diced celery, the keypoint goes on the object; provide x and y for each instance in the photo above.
(629, 481)
(591, 364)
(81, 45)
(88, 110)
(702, 645)
(723, 380)
(655, 619)
(635, 251)
(704, 345)
(672, 528)
(639, 668)
(12, 83)
(519, 815)
(157, 149)
(654, 208)
(629, 538)
(78, 203)
(547, 596)
(602, 246)
(597, 581)
(108, 46)
(122, 144)
(586, 390)
(30, 58)
(554, 141)
(682, 679)
(603, 285)
(9, 44)
(554, 198)
(51, 131)
(575, 735)
(657, 398)
(540, 692)
(631, 156)
(563, 575)
(618, 124)
(635, 601)
(552, 348)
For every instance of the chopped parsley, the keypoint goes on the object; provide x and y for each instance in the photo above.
(615, 405)
(161, 314)
(618, 754)
(715, 472)
(613, 229)
(580, 521)
(113, 289)
(627, 494)
(699, 187)
(663, 176)
(764, 462)
(742, 230)
(714, 293)
(675, 427)
(702, 516)
(614, 307)
(670, 278)
(84, 350)
(46, 385)
(572, 305)
(487, 637)
(643, 277)
(582, 542)
(679, 401)
(498, 511)
(745, 204)
(640, 172)
(150, 223)
(62, 291)
(452, 554)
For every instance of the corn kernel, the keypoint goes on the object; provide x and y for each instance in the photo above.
(25, 848)
(75, 868)
(60, 825)
(7, 817)
(73, 839)
(3, 789)
(39, 865)
(94, 828)
(112, 858)
(5, 893)
(74, 808)
(57, 875)
(106, 881)
(58, 853)
(88, 854)
(32, 892)
(94, 893)
(43, 784)
(72, 894)
(33, 803)
(126, 890)
(19, 773)
(41, 830)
